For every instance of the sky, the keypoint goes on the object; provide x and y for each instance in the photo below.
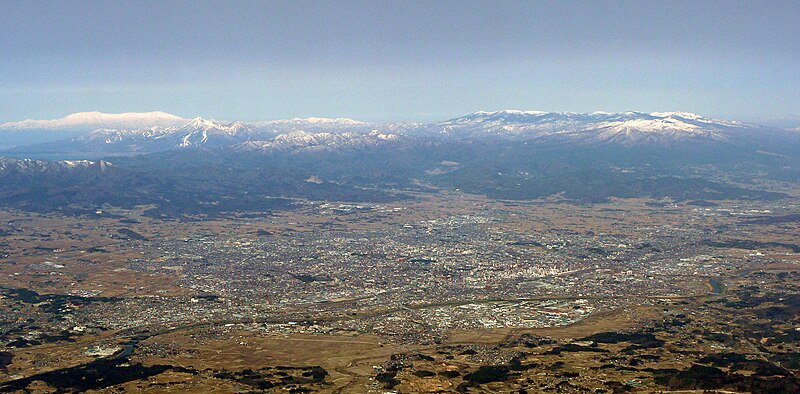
(399, 60)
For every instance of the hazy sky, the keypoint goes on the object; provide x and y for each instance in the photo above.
(405, 60)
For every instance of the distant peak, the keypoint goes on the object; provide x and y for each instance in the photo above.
(98, 114)
(510, 112)
(203, 123)
(199, 120)
(96, 119)
(317, 120)
(685, 115)
(331, 120)
(582, 116)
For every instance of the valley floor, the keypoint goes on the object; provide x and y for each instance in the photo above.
(448, 293)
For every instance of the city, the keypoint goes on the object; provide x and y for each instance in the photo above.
(405, 275)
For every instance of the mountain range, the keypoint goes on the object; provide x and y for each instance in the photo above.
(183, 166)
(93, 133)
(87, 120)
(32, 131)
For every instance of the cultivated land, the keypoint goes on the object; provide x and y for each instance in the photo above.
(444, 292)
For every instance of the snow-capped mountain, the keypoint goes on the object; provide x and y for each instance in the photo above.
(30, 131)
(271, 128)
(197, 132)
(97, 120)
(623, 128)
(628, 128)
(208, 166)
(204, 132)
(306, 141)
(30, 166)
(325, 122)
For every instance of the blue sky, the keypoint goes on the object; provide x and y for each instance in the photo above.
(405, 60)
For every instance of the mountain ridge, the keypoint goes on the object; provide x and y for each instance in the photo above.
(210, 167)
(99, 120)
(630, 128)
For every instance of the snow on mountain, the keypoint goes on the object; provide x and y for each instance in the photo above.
(663, 130)
(97, 120)
(194, 133)
(31, 166)
(312, 120)
(523, 123)
(203, 132)
(625, 127)
(274, 127)
(200, 132)
(111, 136)
(307, 141)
